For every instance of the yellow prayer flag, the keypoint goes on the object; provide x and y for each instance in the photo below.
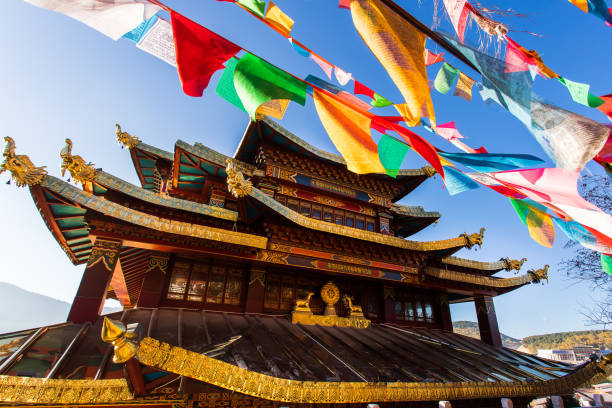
(464, 87)
(581, 4)
(278, 19)
(275, 108)
(349, 130)
(541, 227)
(399, 47)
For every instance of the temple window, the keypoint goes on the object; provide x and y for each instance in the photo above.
(415, 308)
(283, 289)
(206, 283)
(329, 214)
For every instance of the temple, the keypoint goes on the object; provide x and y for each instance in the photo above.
(274, 278)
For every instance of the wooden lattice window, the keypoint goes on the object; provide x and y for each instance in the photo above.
(205, 282)
(413, 307)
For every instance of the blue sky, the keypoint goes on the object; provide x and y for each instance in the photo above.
(59, 78)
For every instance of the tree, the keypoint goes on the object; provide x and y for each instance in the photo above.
(585, 265)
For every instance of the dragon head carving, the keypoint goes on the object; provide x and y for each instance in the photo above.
(20, 166)
(539, 274)
(78, 168)
(474, 239)
(236, 183)
(511, 264)
(125, 139)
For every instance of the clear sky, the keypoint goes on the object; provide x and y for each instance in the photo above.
(59, 78)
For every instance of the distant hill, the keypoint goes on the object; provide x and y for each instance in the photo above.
(566, 340)
(21, 309)
(471, 329)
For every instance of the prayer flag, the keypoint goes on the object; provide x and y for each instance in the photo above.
(431, 58)
(278, 19)
(445, 78)
(136, 34)
(380, 102)
(458, 14)
(570, 140)
(345, 4)
(486, 179)
(349, 130)
(199, 53)
(421, 146)
(606, 263)
(516, 59)
(490, 162)
(606, 107)
(538, 222)
(299, 49)
(581, 4)
(113, 18)
(580, 234)
(342, 77)
(600, 9)
(464, 87)
(456, 182)
(256, 6)
(257, 82)
(159, 42)
(275, 108)
(361, 89)
(331, 88)
(391, 153)
(325, 66)
(580, 93)
(400, 48)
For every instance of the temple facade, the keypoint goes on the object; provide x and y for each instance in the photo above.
(274, 278)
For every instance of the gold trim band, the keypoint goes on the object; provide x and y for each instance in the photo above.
(479, 280)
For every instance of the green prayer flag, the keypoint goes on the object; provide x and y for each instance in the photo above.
(380, 102)
(521, 209)
(391, 153)
(257, 82)
(225, 86)
(606, 263)
(445, 78)
(580, 93)
(256, 6)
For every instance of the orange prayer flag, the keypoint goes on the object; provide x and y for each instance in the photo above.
(400, 51)
(581, 4)
(278, 19)
(349, 130)
(464, 87)
(275, 108)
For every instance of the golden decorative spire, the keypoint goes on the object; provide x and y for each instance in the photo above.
(21, 167)
(474, 239)
(511, 264)
(429, 171)
(236, 183)
(539, 274)
(114, 332)
(80, 170)
(125, 139)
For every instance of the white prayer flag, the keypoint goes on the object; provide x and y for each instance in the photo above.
(159, 41)
(111, 17)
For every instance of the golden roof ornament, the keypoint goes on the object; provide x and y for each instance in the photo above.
(236, 183)
(474, 239)
(539, 274)
(429, 171)
(23, 171)
(115, 333)
(511, 264)
(125, 139)
(80, 170)
(330, 294)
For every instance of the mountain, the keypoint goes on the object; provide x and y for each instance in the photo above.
(565, 340)
(471, 329)
(21, 309)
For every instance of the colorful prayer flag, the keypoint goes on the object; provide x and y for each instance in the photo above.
(491, 162)
(456, 182)
(325, 66)
(600, 9)
(516, 59)
(431, 58)
(445, 78)
(256, 6)
(299, 49)
(581, 4)
(458, 14)
(159, 42)
(275, 108)
(538, 222)
(199, 53)
(580, 234)
(113, 18)
(449, 132)
(136, 34)
(349, 130)
(421, 146)
(257, 82)
(464, 87)
(361, 89)
(606, 263)
(278, 19)
(400, 51)
(606, 107)
(391, 153)
(580, 93)
(380, 102)
(342, 77)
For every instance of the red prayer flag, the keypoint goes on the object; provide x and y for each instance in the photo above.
(431, 58)
(606, 108)
(345, 4)
(361, 89)
(199, 53)
(421, 146)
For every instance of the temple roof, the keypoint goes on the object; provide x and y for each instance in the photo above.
(271, 358)
(412, 219)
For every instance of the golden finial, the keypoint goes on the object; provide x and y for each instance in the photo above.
(21, 167)
(429, 171)
(80, 170)
(539, 274)
(236, 183)
(511, 264)
(115, 333)
(125, 139)
(474, 239)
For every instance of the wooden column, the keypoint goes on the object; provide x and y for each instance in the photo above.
(90, 296)
(153, 282)
(487, 320)
(256, 290)
(446, 321)
(389, 304)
